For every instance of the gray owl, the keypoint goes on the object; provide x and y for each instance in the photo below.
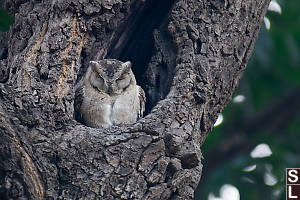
(108, 95)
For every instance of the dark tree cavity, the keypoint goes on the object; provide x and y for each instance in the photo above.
(187, 55)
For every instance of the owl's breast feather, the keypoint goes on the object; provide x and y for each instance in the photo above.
(125, 108)
(96, 111)
(102, 110)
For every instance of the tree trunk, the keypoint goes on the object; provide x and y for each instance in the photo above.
(187, 55)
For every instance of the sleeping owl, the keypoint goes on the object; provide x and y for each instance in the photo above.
(108, 95)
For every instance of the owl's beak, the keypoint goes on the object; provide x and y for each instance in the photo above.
(109, 90)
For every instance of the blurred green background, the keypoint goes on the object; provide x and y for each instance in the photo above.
(266, 111)
(5, 21)
(269, 114)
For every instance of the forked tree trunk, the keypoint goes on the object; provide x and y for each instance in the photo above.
(188, 55)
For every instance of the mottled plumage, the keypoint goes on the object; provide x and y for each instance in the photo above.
(108, 95)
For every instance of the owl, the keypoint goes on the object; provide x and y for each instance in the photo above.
(108, 95)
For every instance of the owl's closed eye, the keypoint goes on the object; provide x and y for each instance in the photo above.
(97, 81)
(124, 81)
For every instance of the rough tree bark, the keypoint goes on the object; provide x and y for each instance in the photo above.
(188, 56)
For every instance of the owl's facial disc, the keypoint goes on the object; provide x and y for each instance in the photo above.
(97, 82)
(124, 81)
(120, 85)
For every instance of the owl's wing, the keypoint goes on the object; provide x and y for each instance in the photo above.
(79, 92)
(142, 98)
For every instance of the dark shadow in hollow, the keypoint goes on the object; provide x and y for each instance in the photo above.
(135, 42)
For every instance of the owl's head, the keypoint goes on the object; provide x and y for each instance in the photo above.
(110, 76)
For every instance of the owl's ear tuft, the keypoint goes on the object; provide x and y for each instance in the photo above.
(94, 65)
(126, 65)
